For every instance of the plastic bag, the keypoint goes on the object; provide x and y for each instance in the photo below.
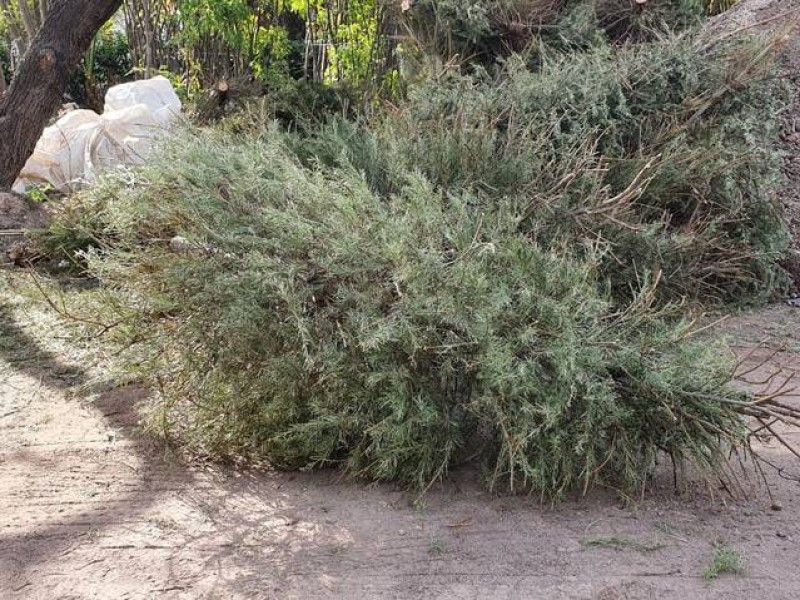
(83, 143)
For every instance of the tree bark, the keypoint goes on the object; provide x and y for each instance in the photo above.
(149, 41)
(27, 19)
(35, 94)
(42, 10)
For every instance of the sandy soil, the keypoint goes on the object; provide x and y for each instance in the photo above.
(91, 510)
(17, 215)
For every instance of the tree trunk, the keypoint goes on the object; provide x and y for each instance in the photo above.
(35, 94)
(42, 10)
(149, 41)
(27, 19)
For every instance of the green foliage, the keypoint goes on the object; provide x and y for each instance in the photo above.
(624, 20)
(714, 7)
(232, 20)
(107, 63)
(355, 42)
(111, 57)
(272, 62)
(304, 105)
(725, 560)
(354, 47)
(299, 106)
(39, 193)
(485, 31)
(275, 40)
(664, 153)
(484, 271)
(302, 318)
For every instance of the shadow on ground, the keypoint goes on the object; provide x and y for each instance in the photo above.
(86, 514)
(19, 350)
(39, 380)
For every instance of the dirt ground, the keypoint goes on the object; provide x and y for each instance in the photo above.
(18, 215)
(90, 509)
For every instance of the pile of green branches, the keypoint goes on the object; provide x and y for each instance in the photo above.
(484, 272)
(291, 314)
(482, 31)
(664, 152)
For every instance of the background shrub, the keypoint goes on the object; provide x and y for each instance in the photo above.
(107, 63)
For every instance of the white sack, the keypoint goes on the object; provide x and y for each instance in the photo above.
(156, 93)
(59, 156)
(82, 143)
(123, 136)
